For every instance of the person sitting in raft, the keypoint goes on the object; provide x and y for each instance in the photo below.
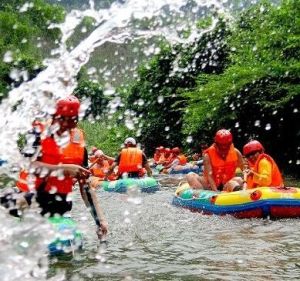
(100, 167)
(197, 158)
(157, 154)
(179, 162)
(132, 161)
(54, 169)
(262, 169)
(220, 162)
(165, 157)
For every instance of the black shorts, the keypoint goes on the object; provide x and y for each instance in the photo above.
(220, 187)
(52, 204)
(130, 175)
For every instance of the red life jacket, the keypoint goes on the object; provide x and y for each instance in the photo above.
(131, 160)
(156, 157)
(223, 169)
(73, 153)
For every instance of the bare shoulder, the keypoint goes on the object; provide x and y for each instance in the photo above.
(238, 152)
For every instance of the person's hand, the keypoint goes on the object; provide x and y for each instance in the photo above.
(102, 230)
(75, 171)
(247, 171)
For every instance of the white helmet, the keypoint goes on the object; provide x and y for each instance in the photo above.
(130, 140)
(98, 153)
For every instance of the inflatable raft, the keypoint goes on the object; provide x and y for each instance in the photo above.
(185, 171)
(146, 184)
(259, 202)
(157, 170)
(68, 238)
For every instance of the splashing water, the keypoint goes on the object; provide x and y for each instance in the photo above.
(37, 97)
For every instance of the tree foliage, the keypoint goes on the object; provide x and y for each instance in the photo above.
(24, 37)
(257, 96)
(156, 96)
(94, 91)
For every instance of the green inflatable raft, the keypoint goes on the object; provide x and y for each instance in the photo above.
(68, 238)
(146, 184)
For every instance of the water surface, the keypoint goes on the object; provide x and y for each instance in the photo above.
(152, 240)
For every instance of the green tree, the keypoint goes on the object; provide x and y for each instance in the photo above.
(24, 37)
(156, 96)
(258, 93)
(93, 91)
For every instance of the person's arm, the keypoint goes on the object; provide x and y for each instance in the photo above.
(240, 161)
(264, 175)
(110, 170)
(146, 165)
(72, 170)
(208, 170)
(91, 201)
(174, 163)
(148, 169)
(109, 158)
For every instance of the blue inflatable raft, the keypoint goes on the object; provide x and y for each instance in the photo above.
(261, 202)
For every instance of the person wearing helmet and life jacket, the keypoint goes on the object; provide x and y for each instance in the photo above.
(58, 158)
(157, 154)
(178, 162)
(132, 161)
(197, 157)
(220, 162)
(262, 169)
(165, 156)
(100, 167)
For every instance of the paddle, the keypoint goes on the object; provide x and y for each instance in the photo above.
(94, 208)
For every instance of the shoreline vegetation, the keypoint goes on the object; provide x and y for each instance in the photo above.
(241, 75)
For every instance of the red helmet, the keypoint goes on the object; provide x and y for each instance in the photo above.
(68, 106)
(94, 149)
(167, 150)
(161, 148)
(252, 146)
(176, 150)
(223, 136)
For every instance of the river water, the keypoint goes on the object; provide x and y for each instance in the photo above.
(150, 239)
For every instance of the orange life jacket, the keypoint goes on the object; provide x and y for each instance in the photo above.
(131, 160)
(182, 159)
(51, 153)
(276, 176)
(99, 170)
(156, 157)
(222, 170)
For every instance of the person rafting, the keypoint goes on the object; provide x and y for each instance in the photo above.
(157, 154)
(220, 162)
(178, 162)
(131, 161)
(58, 158)
(100, 167)
(197, 157)
(262, 169)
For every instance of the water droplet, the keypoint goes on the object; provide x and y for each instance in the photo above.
(268, 127)
(189, 139)
(8, 57)
(160, 99)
